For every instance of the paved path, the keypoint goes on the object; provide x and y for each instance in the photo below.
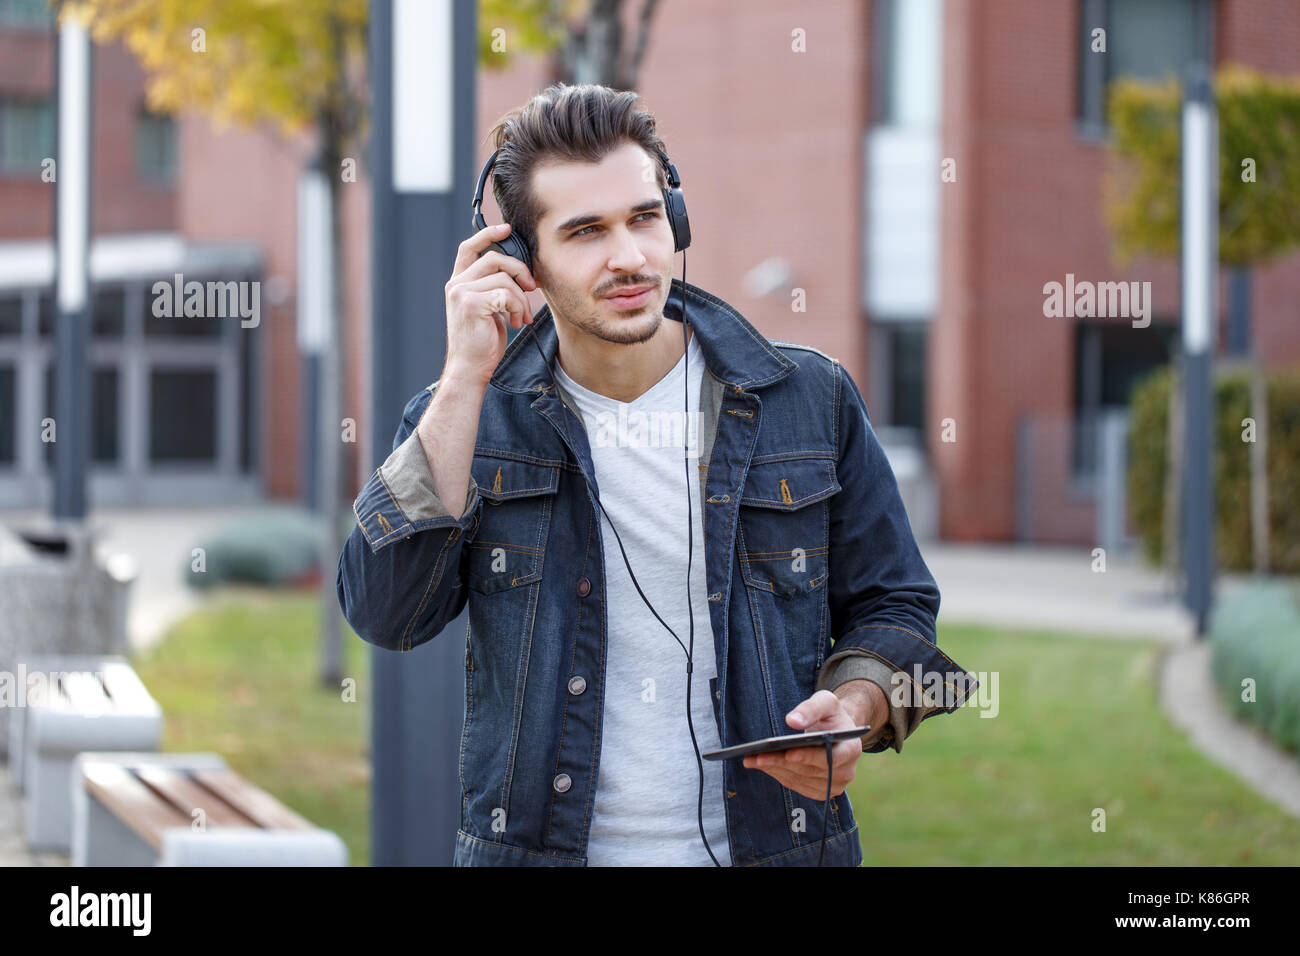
(1055, 589)
(1192, 701)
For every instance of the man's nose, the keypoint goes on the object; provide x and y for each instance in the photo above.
(626, 255)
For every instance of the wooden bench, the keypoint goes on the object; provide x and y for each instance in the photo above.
(74, 703)
(186, 810)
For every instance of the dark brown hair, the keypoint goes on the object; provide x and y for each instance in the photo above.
(570, 123)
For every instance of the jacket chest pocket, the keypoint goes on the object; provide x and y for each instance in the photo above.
(508, 545)
(784, 525)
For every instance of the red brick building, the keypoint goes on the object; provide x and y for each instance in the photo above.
(1026, 210)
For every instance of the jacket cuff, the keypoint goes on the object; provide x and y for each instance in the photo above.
(406, 473)
(399, 499)
(904, 718)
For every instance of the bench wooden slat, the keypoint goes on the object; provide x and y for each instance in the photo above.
(132, 802)
(175, 787)
(253, 802)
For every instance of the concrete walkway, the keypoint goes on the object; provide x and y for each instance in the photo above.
(161, 542)
(1056, 589)
(1192, 701)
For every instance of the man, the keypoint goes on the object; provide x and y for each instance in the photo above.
(523, 486)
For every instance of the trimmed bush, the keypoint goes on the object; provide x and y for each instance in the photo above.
(1255, 634)
(273, 549)
(1148, 460)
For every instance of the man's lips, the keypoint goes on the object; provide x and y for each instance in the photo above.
(630, 291)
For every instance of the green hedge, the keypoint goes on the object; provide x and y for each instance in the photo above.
(1255, 633)
(1148, 457)
(273, 549)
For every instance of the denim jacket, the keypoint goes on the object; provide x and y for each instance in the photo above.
(814, 579)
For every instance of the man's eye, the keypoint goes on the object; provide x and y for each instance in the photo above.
(651, 215)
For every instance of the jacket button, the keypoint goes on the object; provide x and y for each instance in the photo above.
(562, 782)
(584, 587)
(577, 685)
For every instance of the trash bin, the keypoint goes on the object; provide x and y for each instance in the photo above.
(61, 592)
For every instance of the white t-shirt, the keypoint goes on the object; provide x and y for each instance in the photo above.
(645, 811)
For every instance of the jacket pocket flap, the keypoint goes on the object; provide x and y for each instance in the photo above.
(502, 479)
(790, 484)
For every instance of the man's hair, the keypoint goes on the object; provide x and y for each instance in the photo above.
(564, 123)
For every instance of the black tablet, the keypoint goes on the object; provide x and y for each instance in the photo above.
(811, 738)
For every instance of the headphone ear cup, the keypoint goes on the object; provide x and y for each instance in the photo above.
(675, 204)
(516, 248)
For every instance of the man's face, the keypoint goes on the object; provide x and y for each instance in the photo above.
(603, 230)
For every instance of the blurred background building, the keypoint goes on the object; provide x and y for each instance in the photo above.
(818, 170)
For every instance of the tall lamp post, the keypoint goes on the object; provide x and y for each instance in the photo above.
(1200, 257)
(72, 281)
(423, 56)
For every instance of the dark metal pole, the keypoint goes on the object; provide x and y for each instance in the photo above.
(420, 214)
(1200, 257)
(313, 292)
(72, 270)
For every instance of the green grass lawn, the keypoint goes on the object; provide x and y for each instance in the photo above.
(1078, 727)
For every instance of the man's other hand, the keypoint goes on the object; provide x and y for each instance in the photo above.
(803, 769)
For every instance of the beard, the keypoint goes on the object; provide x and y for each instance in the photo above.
(589, 315)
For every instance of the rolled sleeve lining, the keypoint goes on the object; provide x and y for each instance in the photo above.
(409, 483)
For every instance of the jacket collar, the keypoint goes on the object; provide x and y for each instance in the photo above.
(734, 351)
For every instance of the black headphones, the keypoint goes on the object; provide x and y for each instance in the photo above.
(515, 246)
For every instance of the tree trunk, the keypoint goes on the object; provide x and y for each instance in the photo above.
(593, 52)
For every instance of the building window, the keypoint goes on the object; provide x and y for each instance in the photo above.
(11, 316)
(906, 54)
(45, 315)
(155, 147)
(108, 312)
(26, 135)
(26, 14)
(907, 376)
(182, 415)
(1110, 358)
(1144, 40)
(8, 414)
(172, 414)
(219, 304)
